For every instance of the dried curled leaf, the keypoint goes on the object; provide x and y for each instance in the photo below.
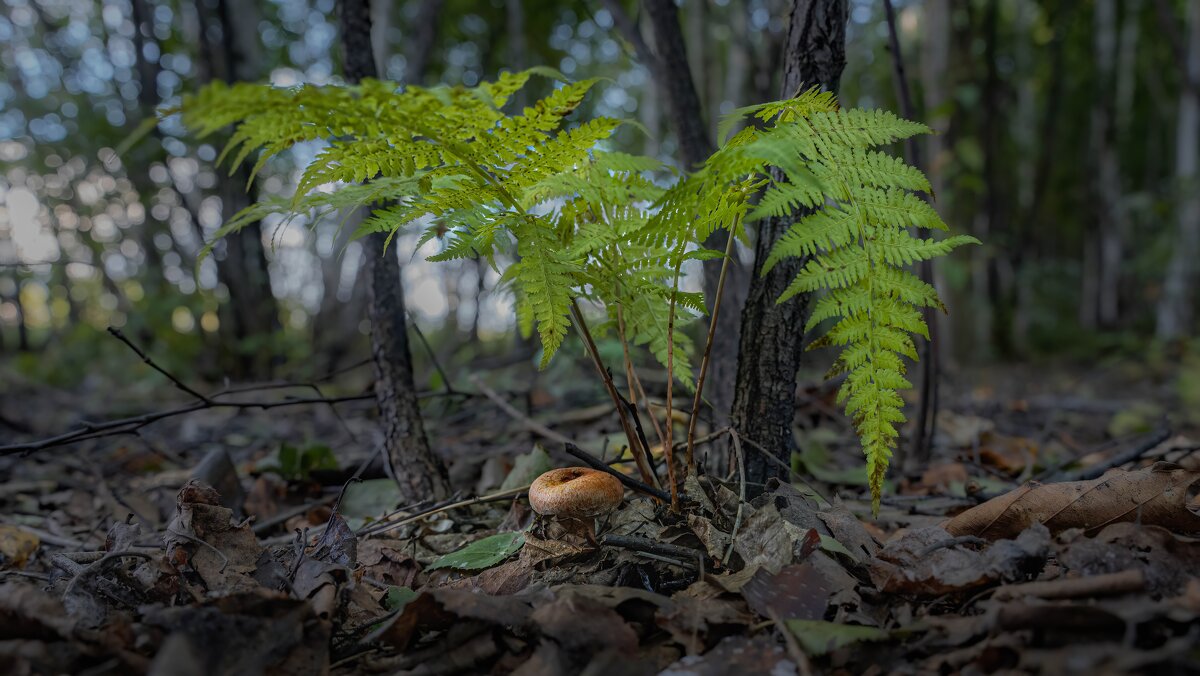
(1157, 495)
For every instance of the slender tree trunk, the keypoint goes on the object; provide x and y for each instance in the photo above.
(1175, 311)
(988, 326)
(417, 470)
(1106, 184)
(420, 47)
(669, 64)
(765, 399)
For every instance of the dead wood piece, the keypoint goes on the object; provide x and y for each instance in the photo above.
(1110, 584)
(595, 463)
(647, 546)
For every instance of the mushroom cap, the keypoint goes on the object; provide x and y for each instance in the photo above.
(575, 492)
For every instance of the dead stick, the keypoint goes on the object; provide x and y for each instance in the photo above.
(668, 450)
(595, 463)
(641, 454)
(638, 544)
(1109, 584)
(529, 423)
(391, 525)
(708, 343)
(737, 520)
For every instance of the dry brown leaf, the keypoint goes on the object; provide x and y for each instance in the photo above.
(1156, 495)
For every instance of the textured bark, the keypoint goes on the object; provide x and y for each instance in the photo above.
(420, 50)
(669, 64)
(417, 471)
(1106, 178)
(252, 312)
(772, 333)
(1175, 311)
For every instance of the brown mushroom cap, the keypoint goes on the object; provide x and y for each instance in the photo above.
(575, 492)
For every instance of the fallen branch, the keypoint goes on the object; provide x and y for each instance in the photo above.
(91, 430)
(1129, 455)
(529, 423)
(647, 546)
(1109, 584)
(595, 463)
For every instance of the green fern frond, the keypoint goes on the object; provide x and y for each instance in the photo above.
(854, 250)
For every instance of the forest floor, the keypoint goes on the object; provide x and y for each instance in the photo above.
(1048, 533)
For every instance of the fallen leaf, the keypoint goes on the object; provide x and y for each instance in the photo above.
(797, 591)
(819, 637)
(736, 655)
(526, 468)
(16, 546)
(1156, 495)
(483, 553)
(928, 562)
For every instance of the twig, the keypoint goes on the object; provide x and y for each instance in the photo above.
(129, 425)
(737, 520)
(391, 525)
(639, 544)
(636, 391)
(953, 542)
(529, 423)
(669, 425)
(708, 343)
(1108, 584)
(267, 524)
(433, 358)
(639, 452)
(116, 333)
(593, 462)
(1128, 455)
(927, 409)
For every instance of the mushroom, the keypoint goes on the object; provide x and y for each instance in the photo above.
(577, 494)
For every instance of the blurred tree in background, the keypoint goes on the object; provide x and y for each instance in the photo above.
(1068, 145)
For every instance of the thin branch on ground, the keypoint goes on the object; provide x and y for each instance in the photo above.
(88, 431)
(376, 529)
(116, 333)
(595, 463)
(512, 412)
(737, 520)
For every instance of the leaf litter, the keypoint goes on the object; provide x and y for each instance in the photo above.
(982, 562)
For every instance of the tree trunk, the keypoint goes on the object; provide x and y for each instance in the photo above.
(669, 65)
(1175, 312)
(1106, 175)
(251, 315)
(417, 471)
(765, 400)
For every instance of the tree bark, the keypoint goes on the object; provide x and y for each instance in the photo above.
(1175, 311)
(252, 312)
(669, 65)
(418, 472)
(772, 333)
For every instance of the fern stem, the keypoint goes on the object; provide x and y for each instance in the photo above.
(636, 391)
(640, 454)
(668, 450)
(708, 343)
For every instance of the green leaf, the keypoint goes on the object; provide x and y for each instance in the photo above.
(526, 468)
(818, 637)
(397, 597)
(832, 546)
(369, 499)
(483, 553)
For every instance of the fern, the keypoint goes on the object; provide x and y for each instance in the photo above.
(530, 188)
(567, 219)
(854, 242)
